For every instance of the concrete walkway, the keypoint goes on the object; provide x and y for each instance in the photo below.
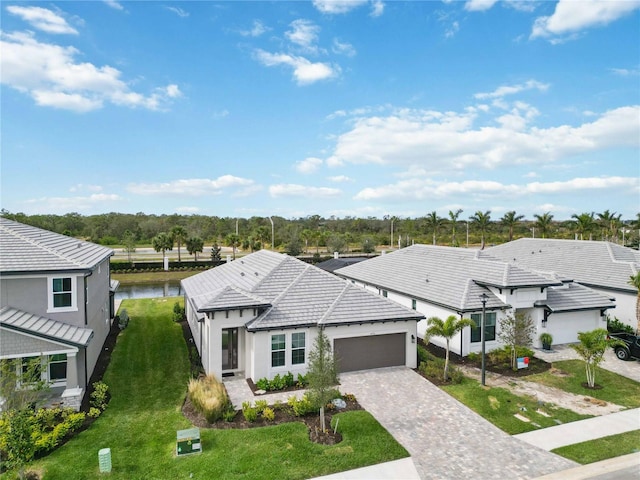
(583, 430)
(446, 440)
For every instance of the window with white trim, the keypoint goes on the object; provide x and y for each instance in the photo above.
(62, 294)
(297, 348)
(278, 346)
(57, 367)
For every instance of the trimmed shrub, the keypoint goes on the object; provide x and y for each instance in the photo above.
(268, 414)
(250, 413)
(301, 407)
(99, 396)
(209, 397)
(260, 405)
(616, 326)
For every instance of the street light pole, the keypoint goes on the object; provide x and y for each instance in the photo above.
(391, 242)
(272, 234)
(467, 234)
(484, 297)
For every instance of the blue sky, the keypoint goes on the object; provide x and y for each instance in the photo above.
(345, 108)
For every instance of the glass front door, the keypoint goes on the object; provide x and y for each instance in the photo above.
(229, 348)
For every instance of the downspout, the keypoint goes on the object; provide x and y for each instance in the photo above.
(86, 322)
(461, 337)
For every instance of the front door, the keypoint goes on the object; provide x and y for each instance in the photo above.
(229, 349)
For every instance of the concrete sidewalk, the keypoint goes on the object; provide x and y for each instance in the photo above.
(626, 467)
(399, 469)
(583, 430)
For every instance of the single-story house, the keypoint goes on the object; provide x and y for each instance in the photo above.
(443, 281)
(56, 299)
(259, 315)
(602, 266)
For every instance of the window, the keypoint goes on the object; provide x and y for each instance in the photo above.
(490, 332)
(384, 293)
(278, 345)
(297, 348)
(31, 370)
(414, 303)
(57, 367)
(62, 293)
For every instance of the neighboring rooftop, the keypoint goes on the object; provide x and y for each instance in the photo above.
(591, 263)
(27, 249)
(340, 262)
(42, 327)
(289, 292)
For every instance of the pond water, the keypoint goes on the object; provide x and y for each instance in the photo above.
(149, 290)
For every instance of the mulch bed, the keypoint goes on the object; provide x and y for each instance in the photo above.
(283, 414)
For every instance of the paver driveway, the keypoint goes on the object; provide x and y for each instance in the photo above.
(446, 440)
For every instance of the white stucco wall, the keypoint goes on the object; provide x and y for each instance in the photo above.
(564, 327)
(625, 309)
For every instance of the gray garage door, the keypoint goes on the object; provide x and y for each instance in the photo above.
(374, 351)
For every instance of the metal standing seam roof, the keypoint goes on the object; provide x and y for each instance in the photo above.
(297, 294)
(25, 249)
(592, 263)
(574, 296)
(447, 276)
(43, 327)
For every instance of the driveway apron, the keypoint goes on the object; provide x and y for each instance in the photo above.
(446, 440)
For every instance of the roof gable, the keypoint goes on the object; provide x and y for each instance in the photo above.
(28, 249)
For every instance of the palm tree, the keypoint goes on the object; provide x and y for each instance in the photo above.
(232, 241)
(447, 329)
(481, 220)
(609, 224)
(510, 219)
(434, 222)
(194, 245)
(543, 223)
(306, 235)
(179, 235)
(162, 242)
(583, 223)
(453, 220)
(634, 281)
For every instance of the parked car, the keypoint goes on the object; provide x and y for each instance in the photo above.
(630, 347)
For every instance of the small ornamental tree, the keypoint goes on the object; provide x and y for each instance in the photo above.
(129, 242)
(447, 329)
(20, 446)
(634, 281)
(215, 253)
(21, 383)
(322, 373)
(591, 349)
(516, 331)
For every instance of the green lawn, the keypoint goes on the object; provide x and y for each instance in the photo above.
(499, 405)
(147, 379)
(602, 448)
(615, 388)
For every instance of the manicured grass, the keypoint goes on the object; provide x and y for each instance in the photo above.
(152, 277)
(499, 405)
(615, 388)
(602, 448)
(147, 379)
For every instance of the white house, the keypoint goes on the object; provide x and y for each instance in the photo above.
(260, 315)
(56, 304)
(443, 281)
(602, 266)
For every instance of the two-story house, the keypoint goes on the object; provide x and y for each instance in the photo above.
(56, 304)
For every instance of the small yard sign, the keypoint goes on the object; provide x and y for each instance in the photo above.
(188, 441)
(523, 362)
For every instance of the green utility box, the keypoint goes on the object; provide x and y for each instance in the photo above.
(188, 441)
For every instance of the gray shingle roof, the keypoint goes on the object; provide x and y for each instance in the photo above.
(335, 263)
(447, 276)
(574, 296)
(592, 263)
(27, 249)
(292, 293)
(45, 328)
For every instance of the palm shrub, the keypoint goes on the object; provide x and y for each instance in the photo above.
(209, 397)
(447, 329)
(591, 349)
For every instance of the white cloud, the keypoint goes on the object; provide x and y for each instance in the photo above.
(304, 71)
(50, 74)
(114, 4)
(257, 29)
(505, 90)
(303, 33)
(340, 179)
(293, 190)
(571, 17)
(42, 19)
(452, 30)
(377, 8)
(343, 48)
(220, 114)
(178, 11)
(425, 188)
(531, 175)
(81, 187)
(71, 204)
(191, 187)
(308, 165)
(187, 210)
(432, 140)
(334, 7)
(479, 5)
(626, 72)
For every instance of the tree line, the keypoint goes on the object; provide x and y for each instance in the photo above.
(314, 233)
